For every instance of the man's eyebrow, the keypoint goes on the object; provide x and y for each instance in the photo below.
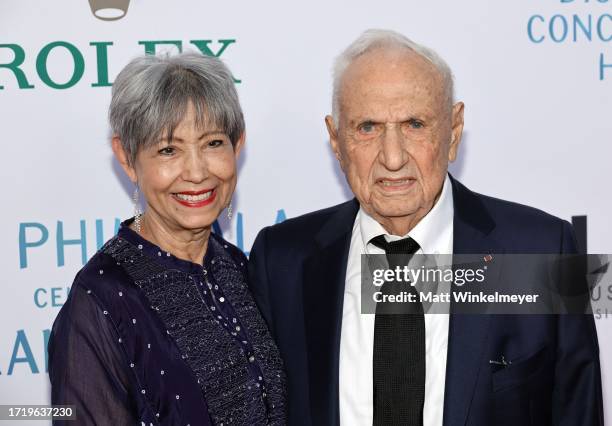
(364, 120)
(411, 117)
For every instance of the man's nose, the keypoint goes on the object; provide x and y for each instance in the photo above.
(392, 154)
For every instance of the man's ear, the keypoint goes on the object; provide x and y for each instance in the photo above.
(123, 159)
(333, 137)
(239, 144)
(456, 130)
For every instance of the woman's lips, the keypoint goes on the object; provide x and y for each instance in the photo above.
(195, 198)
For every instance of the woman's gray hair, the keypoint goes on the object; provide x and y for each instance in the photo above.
(151, 95)
(384, 39)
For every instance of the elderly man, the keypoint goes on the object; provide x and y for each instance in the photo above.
(394, 129)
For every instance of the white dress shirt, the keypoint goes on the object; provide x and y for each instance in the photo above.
(434, 233)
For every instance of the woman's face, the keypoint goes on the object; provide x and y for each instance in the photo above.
(189, 180)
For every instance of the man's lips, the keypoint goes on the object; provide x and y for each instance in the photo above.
(195, 198)
(395, 184)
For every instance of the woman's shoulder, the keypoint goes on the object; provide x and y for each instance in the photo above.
(103, 272)
(106, 277)
(91, 305)
(105, 290)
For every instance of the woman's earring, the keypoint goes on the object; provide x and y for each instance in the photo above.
(229, 211)
(137, 211)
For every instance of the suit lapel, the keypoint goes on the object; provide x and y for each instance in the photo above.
(324, 282)
(467, 333)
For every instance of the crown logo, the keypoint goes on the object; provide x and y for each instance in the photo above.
(109, 10)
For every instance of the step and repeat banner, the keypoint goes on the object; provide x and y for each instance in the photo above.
(535, 76)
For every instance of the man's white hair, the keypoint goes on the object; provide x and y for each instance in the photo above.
(374, 39)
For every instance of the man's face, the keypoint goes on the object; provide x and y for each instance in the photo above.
(396, 134)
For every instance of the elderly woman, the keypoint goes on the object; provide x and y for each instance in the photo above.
(160, 327)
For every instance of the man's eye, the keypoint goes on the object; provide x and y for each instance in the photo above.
(166, 151)
(415, 124)
(367, 127)
(215, 143)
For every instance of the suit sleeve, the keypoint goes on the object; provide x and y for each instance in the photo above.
(577, 398)
(258, 277)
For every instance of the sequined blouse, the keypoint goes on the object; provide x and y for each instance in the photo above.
(147, 338)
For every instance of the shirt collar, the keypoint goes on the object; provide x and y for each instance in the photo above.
(433, 231)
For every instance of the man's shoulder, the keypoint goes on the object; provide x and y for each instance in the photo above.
(515, 226)
(316, 219)
(514, 214)
(528, 229)
(504, 213)
(302, 230)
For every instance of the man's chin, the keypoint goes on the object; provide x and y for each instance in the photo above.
(392, 210)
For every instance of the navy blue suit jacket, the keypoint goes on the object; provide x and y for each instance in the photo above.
(297, 275)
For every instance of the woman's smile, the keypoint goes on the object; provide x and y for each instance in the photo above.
(195, 198)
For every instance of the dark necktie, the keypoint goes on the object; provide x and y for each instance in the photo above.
(399, 349)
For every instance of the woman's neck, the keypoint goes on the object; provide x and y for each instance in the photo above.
(186, 244)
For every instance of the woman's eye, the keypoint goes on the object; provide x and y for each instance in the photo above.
(215, 143)
(166, 151)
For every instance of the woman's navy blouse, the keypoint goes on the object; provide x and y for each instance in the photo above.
(147, 338)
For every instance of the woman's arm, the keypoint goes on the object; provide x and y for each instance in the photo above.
(86, 367)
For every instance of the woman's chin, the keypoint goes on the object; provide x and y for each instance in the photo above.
(197, 224)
